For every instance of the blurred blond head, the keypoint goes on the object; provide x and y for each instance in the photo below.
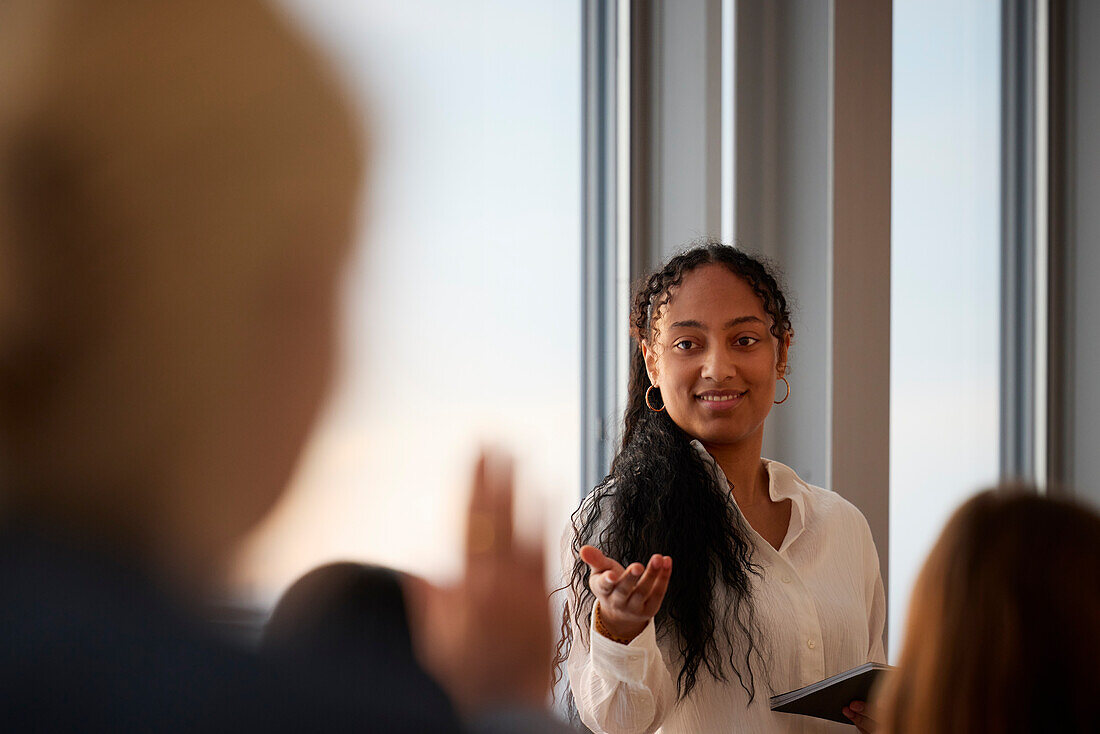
(177, 183)
(1004, 624)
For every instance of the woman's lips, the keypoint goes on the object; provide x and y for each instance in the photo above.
(721, 399)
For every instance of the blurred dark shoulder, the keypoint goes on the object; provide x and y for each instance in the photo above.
(94, 643)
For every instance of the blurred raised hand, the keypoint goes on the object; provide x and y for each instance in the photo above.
(488, 641)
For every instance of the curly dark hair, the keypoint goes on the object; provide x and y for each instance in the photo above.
(660, 497)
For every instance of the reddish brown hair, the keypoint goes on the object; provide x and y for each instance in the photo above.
(1004, 624)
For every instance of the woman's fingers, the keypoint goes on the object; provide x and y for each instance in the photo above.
(660, 586)
(603, 584)
(651, 587)
(625, 584)
(606, 572)
(858, 714)
(597, 561)
(635, 590)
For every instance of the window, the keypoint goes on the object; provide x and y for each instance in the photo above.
(463, 304)
(945, 273)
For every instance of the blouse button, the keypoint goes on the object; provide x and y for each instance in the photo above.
(811, 644)
(786, 579)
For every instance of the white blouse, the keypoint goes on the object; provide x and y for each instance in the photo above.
(820, 609)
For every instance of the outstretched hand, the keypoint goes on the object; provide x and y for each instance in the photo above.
(489, 641)
(628, 597)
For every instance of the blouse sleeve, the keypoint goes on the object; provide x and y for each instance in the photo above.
(876, 600)
(618, 689)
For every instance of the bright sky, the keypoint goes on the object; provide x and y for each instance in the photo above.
(464, 305)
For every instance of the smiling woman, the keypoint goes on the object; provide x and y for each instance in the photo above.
(777, 582)
(717, 374)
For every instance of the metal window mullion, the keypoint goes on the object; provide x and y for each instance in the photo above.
(728, 189)
(594, 223)
(1041, 248)
(620, 341)
(603, 314)
(1060, 284)
(1018, 241)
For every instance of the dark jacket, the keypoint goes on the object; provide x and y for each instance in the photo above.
(93, 643)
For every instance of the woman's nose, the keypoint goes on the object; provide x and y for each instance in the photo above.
(719, 365)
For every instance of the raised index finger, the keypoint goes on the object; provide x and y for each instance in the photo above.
(489, 522)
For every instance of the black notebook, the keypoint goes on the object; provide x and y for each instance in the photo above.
(826, 698)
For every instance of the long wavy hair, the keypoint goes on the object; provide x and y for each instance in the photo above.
(660, 497)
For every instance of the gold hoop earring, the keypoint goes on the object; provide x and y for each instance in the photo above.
(780, 402)
(649, 404)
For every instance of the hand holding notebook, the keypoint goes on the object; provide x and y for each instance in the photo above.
(826, 698)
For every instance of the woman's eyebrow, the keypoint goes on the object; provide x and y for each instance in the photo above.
(743, 320)
(693, 324)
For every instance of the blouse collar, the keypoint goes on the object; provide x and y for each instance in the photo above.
(783, 484)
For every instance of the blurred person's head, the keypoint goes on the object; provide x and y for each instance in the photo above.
(177, 182)
(345, 612)
(1004, 624)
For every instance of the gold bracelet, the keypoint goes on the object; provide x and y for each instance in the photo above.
(597, 622)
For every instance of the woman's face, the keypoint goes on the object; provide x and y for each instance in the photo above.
(714, 357)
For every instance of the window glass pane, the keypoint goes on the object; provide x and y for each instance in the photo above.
(945, 273)
(463, 309)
